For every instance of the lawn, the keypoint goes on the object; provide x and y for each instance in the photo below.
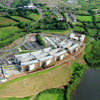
(5, 21)
(84, 18)
(36, 82)
(34, 16)
(21, 19)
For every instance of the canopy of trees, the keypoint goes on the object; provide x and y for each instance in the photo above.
(92, 54)
(40, 40)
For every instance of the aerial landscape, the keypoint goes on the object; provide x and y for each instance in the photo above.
(49, 49)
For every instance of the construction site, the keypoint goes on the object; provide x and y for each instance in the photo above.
(58, 47)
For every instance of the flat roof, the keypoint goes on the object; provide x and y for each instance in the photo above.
(74, 46)
(60, 53)
(29, 62)
(46, 58)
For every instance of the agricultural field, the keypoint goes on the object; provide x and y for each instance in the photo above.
(5, 32)
(97, 18)
(21, 19)
(90, 4)
(9, 34)
(84, 18)
(34, 16)
(6, 21)
(50, 3)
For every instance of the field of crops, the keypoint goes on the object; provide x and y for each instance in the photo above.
(84, 18)
(5, 21)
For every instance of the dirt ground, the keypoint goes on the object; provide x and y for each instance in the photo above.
(35, 84)
(52, 79)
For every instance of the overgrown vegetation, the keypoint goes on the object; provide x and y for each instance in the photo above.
(51, 94)
(92, 54)
(13, 24)
(77, 72)
(40, 40)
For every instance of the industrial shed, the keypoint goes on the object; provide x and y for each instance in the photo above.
(30, 65)
(74, 48)
(59, 55)
(44, 62)
(68, 44)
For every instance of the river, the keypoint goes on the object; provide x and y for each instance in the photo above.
(89, 87)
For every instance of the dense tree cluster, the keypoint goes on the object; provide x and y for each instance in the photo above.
(51, 23)
(92, 54)
(40, 40)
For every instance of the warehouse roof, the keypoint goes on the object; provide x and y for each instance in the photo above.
(29, 62)
(45, 58)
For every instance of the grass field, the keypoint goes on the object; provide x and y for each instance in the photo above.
(54, 31)
(5, 21)
(98, 18)
(21, 19)
(36, 82)
(90, 4)
(49, 96)
(5, 32)
(84, 18)
(34, 16)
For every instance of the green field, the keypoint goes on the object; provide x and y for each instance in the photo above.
(89, 3)
(21, 19)
(84, 18)
(9, 34)
(48, 96)
(34, 16)
(97, 18)
(6, 32)
(51, 94)
(6, 21)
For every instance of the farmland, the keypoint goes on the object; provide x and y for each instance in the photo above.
(5, 21)
(84, 18)
(5, 32)
(21, 19)
(89, 4)
(34, 16)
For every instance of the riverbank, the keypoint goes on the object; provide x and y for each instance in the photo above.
(64, 94)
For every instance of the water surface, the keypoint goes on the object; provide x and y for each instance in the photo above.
(89, 87)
